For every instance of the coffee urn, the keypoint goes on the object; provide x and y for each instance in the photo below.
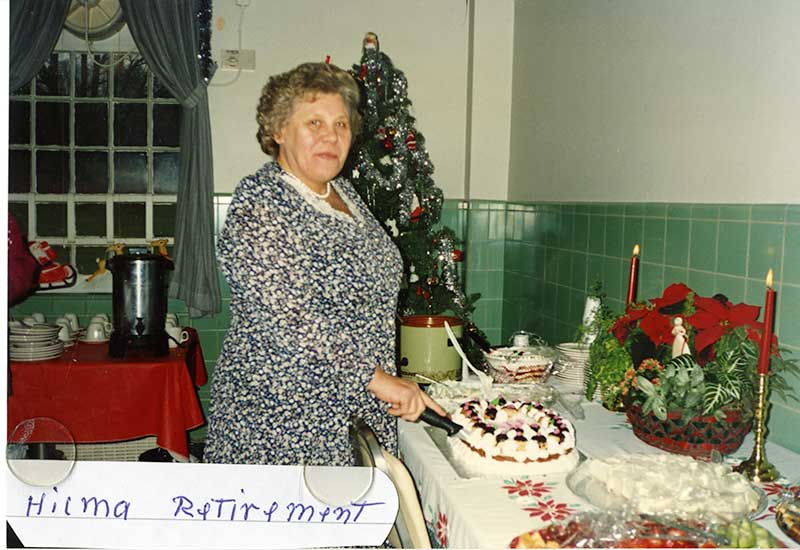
(139, 300)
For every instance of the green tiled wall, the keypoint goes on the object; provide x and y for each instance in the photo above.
(533, 264)
(554, 252)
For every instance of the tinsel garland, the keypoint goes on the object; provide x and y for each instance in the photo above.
(207, 65)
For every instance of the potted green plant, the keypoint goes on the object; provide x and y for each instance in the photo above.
(701, 401)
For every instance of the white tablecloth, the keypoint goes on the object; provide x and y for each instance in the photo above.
(489, 512)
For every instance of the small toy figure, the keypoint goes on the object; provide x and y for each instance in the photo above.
(161, 244)
(53, 274)
(116, 248)
(679, 346)
(101, 268)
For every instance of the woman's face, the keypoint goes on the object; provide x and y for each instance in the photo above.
(315, 140)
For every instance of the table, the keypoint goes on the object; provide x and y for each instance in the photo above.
(102, 399)
(490, 512)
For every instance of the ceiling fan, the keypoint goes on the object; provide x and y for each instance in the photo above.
(94, 19)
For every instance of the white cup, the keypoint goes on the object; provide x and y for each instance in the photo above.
(95, 332)
(73, 321)
(176, 333)
(65, 333)
(39, 317)
(171, 317)
(102, 318)
(29, 321)
(170, 323)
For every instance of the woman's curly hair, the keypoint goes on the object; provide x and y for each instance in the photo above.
(279, 94)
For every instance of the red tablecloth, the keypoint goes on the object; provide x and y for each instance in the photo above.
(103, 399)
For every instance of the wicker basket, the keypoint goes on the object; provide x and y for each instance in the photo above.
(696, 436)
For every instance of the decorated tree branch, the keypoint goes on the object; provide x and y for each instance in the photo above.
(392, 171)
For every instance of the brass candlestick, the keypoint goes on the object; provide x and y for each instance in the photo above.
(757, 468)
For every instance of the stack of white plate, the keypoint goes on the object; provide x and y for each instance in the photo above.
(34, 343)
(573, 357)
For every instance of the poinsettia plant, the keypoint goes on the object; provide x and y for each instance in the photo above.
(720, 370)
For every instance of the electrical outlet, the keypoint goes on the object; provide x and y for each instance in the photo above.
(234, 60)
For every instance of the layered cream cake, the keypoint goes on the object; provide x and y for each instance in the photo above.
(665, 483)
(503, 437)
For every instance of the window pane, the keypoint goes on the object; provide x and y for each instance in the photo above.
(53, 79)
(91, 124)
(130, 173)
(19, 171)
(91, 80)
(165, 173)
(52, 171)
(52, 123)
(86, 258)
(159, 90)
(19, 122)
(164, 220)
(20, 212)
(91, 172)
(130, 124)
(90, 219)
(51, 219)
(166, 125)
(129, 220)
(130, 77)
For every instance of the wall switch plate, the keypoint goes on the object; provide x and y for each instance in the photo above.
(233, 60)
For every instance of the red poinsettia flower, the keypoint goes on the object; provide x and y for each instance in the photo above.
(549, 510)
(441, 529)
(713, 318)
(656, 325)
(526, 487)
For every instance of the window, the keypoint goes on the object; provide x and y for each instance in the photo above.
(94, 156)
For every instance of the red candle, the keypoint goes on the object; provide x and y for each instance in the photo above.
(633, 277)
(766, 334)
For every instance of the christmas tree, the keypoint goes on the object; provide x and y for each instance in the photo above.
(391, 170)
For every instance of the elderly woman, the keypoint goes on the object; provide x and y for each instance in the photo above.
(314, 282)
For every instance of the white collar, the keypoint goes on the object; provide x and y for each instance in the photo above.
(321, 204)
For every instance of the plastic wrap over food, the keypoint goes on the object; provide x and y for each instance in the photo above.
(666, 484)
(787, 511)
(625, 529)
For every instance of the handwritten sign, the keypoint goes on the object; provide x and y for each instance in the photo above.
(166, 505)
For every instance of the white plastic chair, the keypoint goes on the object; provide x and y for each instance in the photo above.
(409, 530)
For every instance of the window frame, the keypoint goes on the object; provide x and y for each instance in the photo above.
(150, 199)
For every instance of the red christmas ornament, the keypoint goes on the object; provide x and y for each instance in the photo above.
(363, 71)
(457, 255)
(381, 133)
(426, 294)
(416, 214)
(387, 144)
(411, 141)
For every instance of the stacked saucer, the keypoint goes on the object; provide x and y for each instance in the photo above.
(34, 343)
(573, 358)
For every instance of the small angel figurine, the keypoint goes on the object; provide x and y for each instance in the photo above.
(680, 346)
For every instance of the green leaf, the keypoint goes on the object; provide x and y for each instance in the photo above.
(646, 386)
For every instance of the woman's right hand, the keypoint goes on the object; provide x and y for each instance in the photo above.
(405, 397)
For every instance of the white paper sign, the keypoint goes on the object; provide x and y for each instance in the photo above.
(167, 505)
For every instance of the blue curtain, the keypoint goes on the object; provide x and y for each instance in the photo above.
(168, 36)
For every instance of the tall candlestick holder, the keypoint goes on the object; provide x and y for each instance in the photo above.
(757, 468)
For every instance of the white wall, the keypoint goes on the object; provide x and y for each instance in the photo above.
(647, 100)
(493, 55)
(426, 40)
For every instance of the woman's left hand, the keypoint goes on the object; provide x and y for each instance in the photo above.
(405, 397)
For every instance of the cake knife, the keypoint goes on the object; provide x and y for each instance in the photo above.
(438, 421)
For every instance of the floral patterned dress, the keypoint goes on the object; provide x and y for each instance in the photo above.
(313, 298)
